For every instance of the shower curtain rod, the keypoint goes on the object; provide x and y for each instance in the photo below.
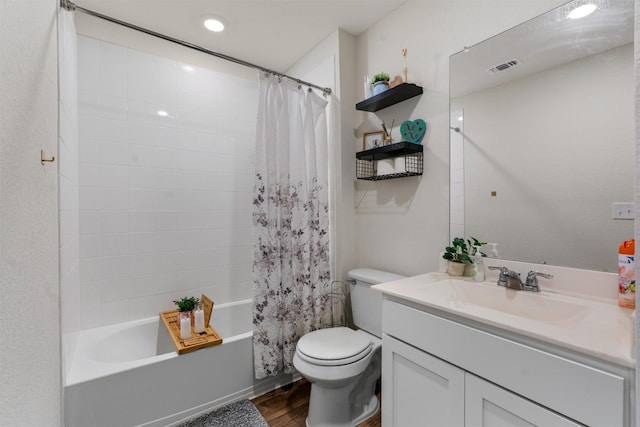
(71, 6)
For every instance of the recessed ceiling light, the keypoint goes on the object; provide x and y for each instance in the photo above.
(582, 11)
(213, 23)
(162, 113)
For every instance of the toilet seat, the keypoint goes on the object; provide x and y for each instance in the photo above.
(333, 347)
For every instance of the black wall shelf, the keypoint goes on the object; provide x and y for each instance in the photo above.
(366, 161)
(391, 150)
(389, 97)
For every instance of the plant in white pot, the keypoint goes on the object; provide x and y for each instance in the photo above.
(457, 256)
(185, 306)
(380, 83)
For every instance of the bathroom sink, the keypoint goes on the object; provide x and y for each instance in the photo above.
(597, 327)
(540, 307)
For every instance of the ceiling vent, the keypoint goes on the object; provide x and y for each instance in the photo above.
(504, 66)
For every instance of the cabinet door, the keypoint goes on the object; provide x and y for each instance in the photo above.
(487, 405)
(419, 389)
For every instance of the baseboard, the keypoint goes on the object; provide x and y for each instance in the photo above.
(261, 387)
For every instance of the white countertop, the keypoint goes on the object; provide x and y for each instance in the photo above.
(597, 328)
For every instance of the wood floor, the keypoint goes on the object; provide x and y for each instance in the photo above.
(287, 406)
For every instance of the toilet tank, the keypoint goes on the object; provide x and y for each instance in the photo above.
(366, 303)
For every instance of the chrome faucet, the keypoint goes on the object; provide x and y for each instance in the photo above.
(510, 279)
(532, 280)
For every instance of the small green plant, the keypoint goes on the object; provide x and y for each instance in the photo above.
(380, 77)
(457, 252)
(187, 303)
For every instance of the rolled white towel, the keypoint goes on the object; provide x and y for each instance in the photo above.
(399, 164)
(386, 167)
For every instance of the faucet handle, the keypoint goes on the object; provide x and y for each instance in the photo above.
(534, 274)
(532, 280)
(504, 273)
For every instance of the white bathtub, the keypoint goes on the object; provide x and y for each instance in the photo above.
(129, 374)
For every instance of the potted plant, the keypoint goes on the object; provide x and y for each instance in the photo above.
(186, 303)
(380, 83)
(185, 306)
(457, 256)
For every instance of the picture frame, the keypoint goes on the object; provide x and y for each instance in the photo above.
(372, 140)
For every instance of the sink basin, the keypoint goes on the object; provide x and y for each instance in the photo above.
(597, 327)
(464, 295)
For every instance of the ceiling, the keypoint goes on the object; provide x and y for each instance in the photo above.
(542, 43)
(272, 34)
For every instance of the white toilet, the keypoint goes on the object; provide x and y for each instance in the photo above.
(343, 365)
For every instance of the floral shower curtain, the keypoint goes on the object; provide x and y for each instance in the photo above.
(291, 269)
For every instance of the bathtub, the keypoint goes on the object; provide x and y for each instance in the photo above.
(129, 374)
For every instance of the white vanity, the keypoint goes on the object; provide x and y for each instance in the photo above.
(463, 353)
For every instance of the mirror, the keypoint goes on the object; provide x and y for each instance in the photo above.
(544, 118)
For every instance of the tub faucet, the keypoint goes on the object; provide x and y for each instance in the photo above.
(510, 279)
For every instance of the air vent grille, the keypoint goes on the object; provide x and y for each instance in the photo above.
(504, 66)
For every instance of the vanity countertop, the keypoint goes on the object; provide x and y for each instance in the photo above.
(597, 328)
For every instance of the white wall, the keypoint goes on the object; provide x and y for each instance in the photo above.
(165, 201)
(403, 224)
(347, 239)
(30, 390)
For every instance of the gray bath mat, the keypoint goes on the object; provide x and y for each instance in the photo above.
(238, 414)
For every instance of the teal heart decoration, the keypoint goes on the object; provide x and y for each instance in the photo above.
(413, 131)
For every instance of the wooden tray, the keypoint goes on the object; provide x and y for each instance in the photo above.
(197, 341)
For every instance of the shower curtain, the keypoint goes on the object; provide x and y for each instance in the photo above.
(291, 268)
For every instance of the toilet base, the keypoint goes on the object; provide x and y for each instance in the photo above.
(368, 411)
(347, 405)
(340, 414)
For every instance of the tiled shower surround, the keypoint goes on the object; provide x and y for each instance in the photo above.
(165, 181)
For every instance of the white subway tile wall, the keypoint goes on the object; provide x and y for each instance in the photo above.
(166, 157)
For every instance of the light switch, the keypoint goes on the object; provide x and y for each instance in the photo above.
(623, 210)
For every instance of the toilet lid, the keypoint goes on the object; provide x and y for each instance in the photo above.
(334, 346)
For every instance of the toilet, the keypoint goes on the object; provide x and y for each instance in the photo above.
(342, 364)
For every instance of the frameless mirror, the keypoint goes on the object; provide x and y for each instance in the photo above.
(544, 114)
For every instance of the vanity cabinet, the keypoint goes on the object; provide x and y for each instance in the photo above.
(438, 369)
(421, 389)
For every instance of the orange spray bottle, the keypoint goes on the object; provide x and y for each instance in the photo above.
(626, 275)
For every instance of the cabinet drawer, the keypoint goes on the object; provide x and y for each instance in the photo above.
(487, 405)
(419, 389)
(586, 394)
